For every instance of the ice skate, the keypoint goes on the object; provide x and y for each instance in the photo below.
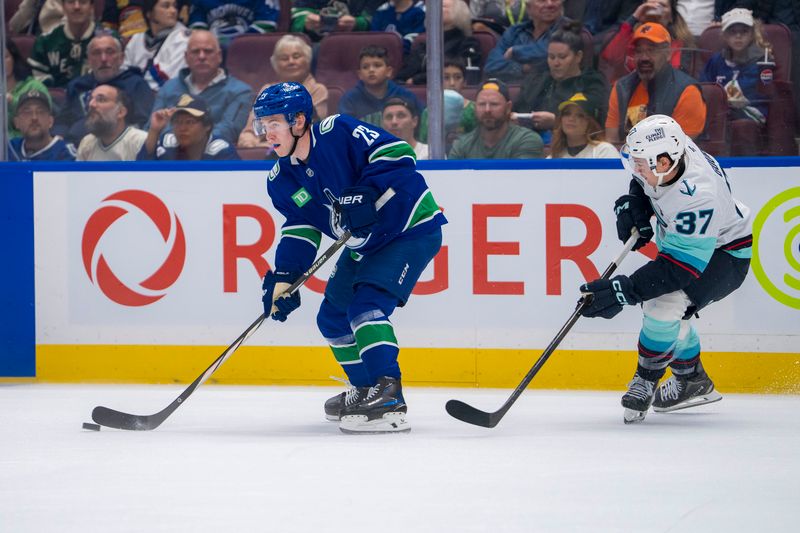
(334, 405)
(381, 409)
(682, 392)
(638, 399)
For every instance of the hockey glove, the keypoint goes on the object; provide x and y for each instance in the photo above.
(357, 209)
(276, 304)
(634, 212)
(605, 297)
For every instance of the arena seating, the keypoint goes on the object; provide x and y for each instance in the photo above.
(715, 136)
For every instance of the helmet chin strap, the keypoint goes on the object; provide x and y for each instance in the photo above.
(662, 175)
(297, 138)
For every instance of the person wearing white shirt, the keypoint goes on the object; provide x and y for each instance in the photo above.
(159, 52)
(110, 137)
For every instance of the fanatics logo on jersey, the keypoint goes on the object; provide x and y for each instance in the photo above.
(301, 197)
(657, 134)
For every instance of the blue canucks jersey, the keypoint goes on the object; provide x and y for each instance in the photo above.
(56, 150)
(346, 152)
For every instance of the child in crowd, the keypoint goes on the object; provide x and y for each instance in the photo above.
(375, 87)
(737, 69)
(454, 76)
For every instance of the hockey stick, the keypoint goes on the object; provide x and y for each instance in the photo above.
(119, 420)
(470, 415)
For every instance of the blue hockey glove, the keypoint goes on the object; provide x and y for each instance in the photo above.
(634, 212)
(357, 208)
(605, 297)
(274, 284)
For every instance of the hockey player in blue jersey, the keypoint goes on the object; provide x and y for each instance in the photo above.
(704, 239)
(327, 180)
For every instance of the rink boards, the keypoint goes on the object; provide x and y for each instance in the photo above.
(144, 273)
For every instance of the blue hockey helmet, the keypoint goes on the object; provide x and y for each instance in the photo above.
(287, 98)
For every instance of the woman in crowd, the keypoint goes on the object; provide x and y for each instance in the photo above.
(577, 132)
(160, 51)
(542, 93)
(616, 60)
(458, 44)
(291, 60)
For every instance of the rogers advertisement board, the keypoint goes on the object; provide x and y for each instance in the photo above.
(174, 258)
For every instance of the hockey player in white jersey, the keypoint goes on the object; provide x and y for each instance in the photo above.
(704, 239)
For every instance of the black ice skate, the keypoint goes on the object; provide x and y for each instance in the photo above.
(638, 399)
(381, 409)
(681, 392)
(334, 406)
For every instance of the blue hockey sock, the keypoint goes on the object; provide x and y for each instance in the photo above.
(377, 345)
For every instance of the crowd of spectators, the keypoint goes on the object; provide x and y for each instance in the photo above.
(147, 79)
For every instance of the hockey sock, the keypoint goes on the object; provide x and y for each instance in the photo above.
(345, 351)
(369, 319)
(657, 342)
(687, 351)
(335, 327)
(377, 345)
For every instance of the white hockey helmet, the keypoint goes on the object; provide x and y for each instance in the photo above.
(653, 136)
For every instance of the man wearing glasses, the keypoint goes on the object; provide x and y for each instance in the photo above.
(654, 88)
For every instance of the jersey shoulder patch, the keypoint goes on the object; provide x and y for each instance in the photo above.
(327, 124)
(170, 141)
(274, 172)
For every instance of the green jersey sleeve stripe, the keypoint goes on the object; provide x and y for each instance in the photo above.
(393, 152)
(425, 209)
(306, 233)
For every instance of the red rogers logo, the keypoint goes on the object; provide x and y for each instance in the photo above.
(167, 224)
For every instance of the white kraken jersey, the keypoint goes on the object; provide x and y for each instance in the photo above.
(698, 213)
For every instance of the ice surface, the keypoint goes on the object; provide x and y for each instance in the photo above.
(238, 459)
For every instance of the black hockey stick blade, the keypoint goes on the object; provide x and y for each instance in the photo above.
(466, 413)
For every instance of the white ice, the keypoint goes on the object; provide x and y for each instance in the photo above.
(238, 459)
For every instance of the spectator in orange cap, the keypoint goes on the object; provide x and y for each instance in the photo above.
(616, 58)
(654, 88)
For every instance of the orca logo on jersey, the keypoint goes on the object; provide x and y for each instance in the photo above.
(657, 134)
(109, 221)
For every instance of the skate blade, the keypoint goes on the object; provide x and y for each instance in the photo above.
(390, 423)
(331, 418)
(631, 416)
(711, 397)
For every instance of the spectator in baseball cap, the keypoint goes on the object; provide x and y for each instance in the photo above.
(33, 117)
(496, 137)
(190, 138)
(655, 87)
(578, 133)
